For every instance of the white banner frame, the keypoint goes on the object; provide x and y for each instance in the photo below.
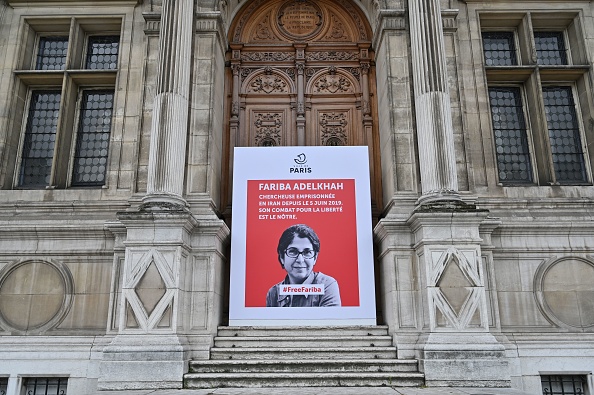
(302, 163)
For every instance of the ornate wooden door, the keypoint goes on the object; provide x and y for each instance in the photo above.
(300, 75)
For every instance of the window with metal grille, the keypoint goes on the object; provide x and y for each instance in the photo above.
(3, 385)
(39, 139)
(90, 158)
(52, 52)
(64, 140)
(45, 386)
(102, 52)
(564, 135)
(563, 384)
(536, 107)
(550, 48)
(499, 49)
(509, 127)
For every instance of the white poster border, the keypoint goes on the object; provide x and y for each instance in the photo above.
(275, 163)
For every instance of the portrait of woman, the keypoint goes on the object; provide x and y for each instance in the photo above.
(298, 249)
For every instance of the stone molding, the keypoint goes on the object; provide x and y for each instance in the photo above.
(66, 283)
(562, 317)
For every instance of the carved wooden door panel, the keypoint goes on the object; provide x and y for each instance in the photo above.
(333, 117)
(266, 115)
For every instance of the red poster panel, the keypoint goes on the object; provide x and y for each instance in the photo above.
(327, 206)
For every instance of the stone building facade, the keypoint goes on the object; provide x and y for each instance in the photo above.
(118, 120)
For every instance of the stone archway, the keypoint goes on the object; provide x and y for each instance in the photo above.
(301, 72)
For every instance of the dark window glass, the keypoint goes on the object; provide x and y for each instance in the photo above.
(92, 141)
(499, 48)
(509, 127)
(564, 135)
(102, 53)
(52, 53)
(563, 384)
(3, 385)
(550, 48)
(40, 137)
(45, 386)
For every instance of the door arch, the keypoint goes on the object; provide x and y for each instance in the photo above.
(301, 72)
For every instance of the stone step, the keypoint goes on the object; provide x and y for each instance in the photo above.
(303, 341)
(312, 379)
(304, 366)
(282, 353)
(280, 331)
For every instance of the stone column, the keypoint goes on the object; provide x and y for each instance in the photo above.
(169, 129)
(432, 101)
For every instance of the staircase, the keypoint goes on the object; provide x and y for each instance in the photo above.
(303, 357)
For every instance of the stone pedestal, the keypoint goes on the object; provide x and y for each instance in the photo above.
(168, 300)
(435, 294)
(457, 348)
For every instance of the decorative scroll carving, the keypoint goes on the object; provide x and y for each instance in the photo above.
(267, 56)
(332, 55)
(290, 72)
(268, 84)
(309, 72)
(334, 128)
(263, 31)
(356, 17)
(355, 72)
(337, 31)
(245, 71)
(332, 83)
(268, 129)
(299, 19)
(246, 17)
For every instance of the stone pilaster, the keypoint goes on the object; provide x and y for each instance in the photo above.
(169, 128)
(167, 298)
(432, 102)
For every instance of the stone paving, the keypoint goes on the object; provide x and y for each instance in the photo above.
(327, 391)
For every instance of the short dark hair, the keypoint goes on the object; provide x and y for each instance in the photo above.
(299, 230)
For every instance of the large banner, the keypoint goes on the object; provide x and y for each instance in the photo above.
(301, 242)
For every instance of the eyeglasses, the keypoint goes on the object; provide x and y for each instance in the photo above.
(294, 253)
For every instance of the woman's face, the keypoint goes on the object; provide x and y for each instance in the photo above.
(298, 268)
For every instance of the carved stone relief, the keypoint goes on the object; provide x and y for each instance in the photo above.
(456, 289)
(148, 289)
